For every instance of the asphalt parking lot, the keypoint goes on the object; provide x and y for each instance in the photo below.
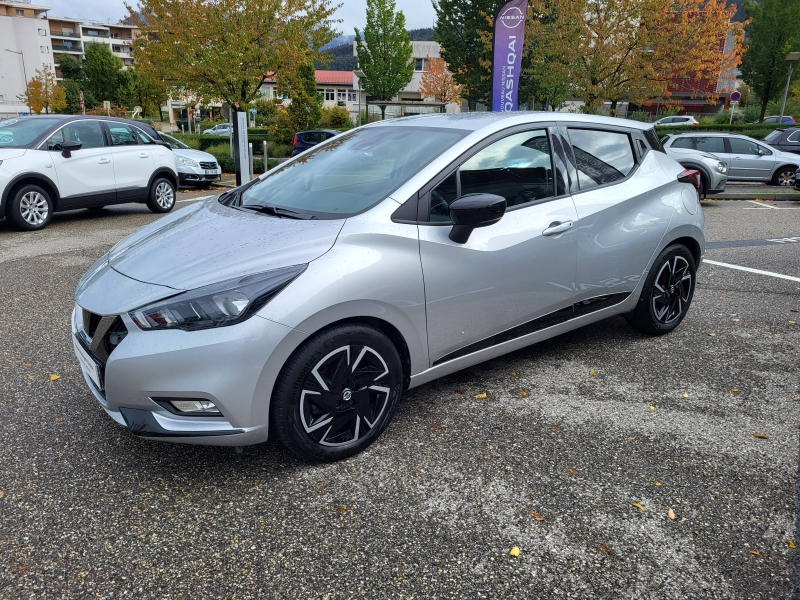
(582, 450)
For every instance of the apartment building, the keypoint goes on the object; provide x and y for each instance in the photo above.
(30, 39)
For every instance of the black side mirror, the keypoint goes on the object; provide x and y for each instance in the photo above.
(474, 210)
(68, 147)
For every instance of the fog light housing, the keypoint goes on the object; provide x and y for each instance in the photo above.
(190, 407)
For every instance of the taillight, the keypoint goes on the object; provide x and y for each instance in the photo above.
(691, 176)
(695, 124)
(294, 141)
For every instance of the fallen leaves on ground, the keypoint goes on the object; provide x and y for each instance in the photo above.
(637, 505)
(459, 391)
(27, 364)
(341, 509)
(735, 390)
(792, 310)
(53, 377)
(571, 471)
(514, 551)
(535, 515)
(22, 568)
(319, 485)
(652, 407)
(796, 398)
(657, 483)
(59, 420)
(696, 532)
(712, 334)
(735, 320)
(792, 544)
(631, 438)
(671, 514)
(522, 393)
(792, 322)
(481, 396)
(2, 493)
(605, 549)
(434, 426)
(761, 436)
(755, 552)
(513, 373)
(593, 373)
(685, 395)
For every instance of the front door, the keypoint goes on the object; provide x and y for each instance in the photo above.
(86, 177)
(747, 163)
(508, 274)
(133, 161)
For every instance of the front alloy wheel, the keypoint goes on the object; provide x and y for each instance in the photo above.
(337, 392)
(30, 208)
(667, 292)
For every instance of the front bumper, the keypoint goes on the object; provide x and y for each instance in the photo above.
(197, 175)
(234, 367)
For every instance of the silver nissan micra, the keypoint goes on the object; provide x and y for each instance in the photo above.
(310, 298)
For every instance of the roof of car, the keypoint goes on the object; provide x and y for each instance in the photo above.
(478, 120)
(67, 118)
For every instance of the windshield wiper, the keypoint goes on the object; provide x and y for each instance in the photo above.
(277, 211)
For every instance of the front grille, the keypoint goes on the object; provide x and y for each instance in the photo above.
(209, 165)
(90, 322)
(102, 334)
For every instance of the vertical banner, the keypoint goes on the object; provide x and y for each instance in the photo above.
(240, 146)
(509, 37)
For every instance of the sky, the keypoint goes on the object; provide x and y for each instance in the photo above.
(419, 13)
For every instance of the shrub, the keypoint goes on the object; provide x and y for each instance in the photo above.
(751, 113)
(209, 123)
(724, 118)
(640, 115)
(335, 117)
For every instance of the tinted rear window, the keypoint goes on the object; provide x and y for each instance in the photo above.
(713, 144)
(682, 142)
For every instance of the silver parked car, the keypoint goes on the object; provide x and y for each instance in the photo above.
(680, 121)
(309, 299)
(747, 159)
(713, 170)
(195, 167)
(220, 129)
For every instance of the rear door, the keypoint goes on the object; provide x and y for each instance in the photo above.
(746, 161)
(507, 276)
(86, 177)
(621, 214)
(133, 162)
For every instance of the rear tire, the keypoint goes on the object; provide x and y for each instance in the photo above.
(337, 392)
(784, 177)
(162, 196)
(667, 292)
(30, 208)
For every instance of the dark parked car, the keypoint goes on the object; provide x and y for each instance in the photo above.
(303, 140)
(787, 139)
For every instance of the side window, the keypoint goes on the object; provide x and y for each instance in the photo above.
(602, 156)
(794, 138)
(121, 134)
(710, 144)
(518, 167)
(742, 146)
(143, 139)
(642, 147)
(442, 196)
(88, 133)
(682, 142)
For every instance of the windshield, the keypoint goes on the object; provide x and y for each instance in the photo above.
(175, 144)
(351, 172)
(18, 133)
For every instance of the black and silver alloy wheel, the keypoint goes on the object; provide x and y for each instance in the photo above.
(672, 290)
(30, 208)
(785, 177)
(337, 392)
(667, 292)
(342, 397)
(162, 196)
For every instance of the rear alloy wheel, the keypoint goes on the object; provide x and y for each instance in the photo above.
(667, 292)
(784, 177)
(30, 208)
(337, 393)
(162, 196)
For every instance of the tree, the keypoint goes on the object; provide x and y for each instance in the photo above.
(70, 68)
(103, 73)
(305, 109)
(143, 89)
(459, 25)
(772, 32)
(384, 53)
(438, 83)
(226, 49)
(42, 93)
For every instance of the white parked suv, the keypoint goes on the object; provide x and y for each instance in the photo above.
(53, 163)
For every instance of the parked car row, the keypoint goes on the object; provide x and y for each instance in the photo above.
(54, 163)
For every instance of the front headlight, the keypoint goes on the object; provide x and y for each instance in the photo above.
(722, 167)
(186, 162)
(217, 305)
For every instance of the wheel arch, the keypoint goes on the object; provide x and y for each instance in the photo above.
(165, 172)
(690, 164)
(35, 179)
(692, 245)
(792, 166)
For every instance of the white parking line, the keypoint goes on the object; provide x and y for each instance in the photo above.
(749, 270)
(193, 199)
(762, 206)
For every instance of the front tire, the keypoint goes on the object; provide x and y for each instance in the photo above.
(337, 392)
(784, 177)
(162, 196)
(667, 293)
(29, 208)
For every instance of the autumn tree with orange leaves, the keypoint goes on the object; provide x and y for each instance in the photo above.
(226, 49)
(612, 50)
(438, 83)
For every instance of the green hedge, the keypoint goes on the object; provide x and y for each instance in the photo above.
(757, 131)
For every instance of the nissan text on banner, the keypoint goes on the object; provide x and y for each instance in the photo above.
(509, 36)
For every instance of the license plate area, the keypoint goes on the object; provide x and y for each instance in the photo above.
(90, 365)
(211, 172)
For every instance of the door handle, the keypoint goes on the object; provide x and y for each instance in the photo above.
(143, 155)
(104, 161)
(558, 227)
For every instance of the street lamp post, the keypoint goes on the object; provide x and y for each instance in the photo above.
(792, 57)
(24, 72)
(359, 73)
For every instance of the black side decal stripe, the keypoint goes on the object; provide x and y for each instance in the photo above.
(558, 317)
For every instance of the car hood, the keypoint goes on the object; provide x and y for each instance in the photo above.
(208, 242)
(9, 153)
(197, 155)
